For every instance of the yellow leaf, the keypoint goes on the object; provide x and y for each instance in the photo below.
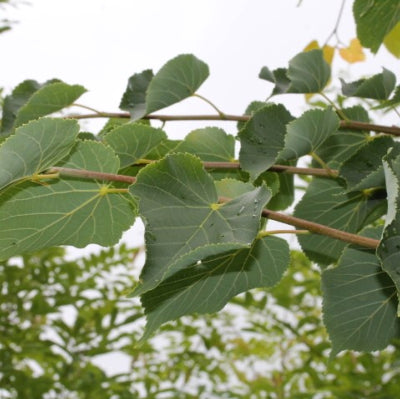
(313, 45)
(329, 52)
(392, 41)
(353, 53)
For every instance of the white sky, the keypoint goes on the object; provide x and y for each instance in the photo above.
(100, 43)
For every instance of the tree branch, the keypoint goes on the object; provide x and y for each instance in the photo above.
(280, 217)
(321, 229)
(277, 168)
(355, 125)
(90, 174)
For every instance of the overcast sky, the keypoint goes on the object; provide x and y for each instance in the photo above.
(100, 43)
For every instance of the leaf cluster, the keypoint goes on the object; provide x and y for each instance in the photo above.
(204, 211)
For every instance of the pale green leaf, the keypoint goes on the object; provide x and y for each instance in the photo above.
(178, 79)
(360, 302)
(377, 87)
(133, 141)
(68, 211)
(374, 20)
(262, 138)
(232, 188)
(308, 132)
(206, 286)
(48, 99)
(179, 204)
(392, 41)
(35, 147)
(326, 202)
(134, 98)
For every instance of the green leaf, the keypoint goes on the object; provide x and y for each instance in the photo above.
(179, 204)
(374, 20)
(341, 145)
(377, 87)
(285, 195)
(13, 102)
(209, 144)
(308, 132)
(392, 102)
(278, 77)
(262, 138)
(178, 79)
(308, 72)
(251, 108)
(392, 41)
(134, 98)
(327, 203)
(364, 169)
(164, 148)
(48, 99)
(134, 141)
(70, 211)
(389, 248)
(206, 286)
(232, 188)
(360, 301)
(35, 147)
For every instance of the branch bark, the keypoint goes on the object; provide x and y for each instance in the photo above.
(353, 125)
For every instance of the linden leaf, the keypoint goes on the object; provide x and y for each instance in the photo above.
(179, 203)
(68, 211)
(35, 147)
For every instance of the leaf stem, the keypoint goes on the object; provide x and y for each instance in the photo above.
(329, 171)
(45, 176)
(220, 113)
(87, 108)
(337, 109)
(273, 232)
